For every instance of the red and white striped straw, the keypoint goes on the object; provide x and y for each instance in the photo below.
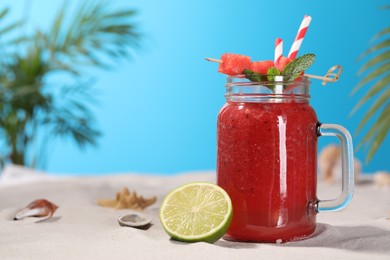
(299, 38)
(278, 50)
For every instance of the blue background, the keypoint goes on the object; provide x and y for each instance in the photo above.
(158, 112)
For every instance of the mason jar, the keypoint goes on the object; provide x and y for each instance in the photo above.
(267, 135)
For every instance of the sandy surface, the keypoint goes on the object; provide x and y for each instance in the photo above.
(82, 230)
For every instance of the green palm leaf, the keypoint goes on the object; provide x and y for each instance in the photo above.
(381, 134)
(4, 12)
(375, 61)
(55, 31)
(11, 27)
(119, 14)
(381, 33)
(377, 87)
(16, 40)
(374, 108)
(377, 47)
(380, 121)
(5, 32)
(374, 75)
(94, 32)
(378, 77)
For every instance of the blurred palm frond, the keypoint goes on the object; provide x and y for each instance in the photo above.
(96, 36)
(377, 70)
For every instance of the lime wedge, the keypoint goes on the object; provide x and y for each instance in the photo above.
(196, 212)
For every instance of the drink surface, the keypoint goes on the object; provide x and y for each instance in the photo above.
(266, 161)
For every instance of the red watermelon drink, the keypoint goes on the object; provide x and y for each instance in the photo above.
(266, 159)
(267, 152)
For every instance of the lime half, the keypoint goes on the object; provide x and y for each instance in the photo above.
(196, 212)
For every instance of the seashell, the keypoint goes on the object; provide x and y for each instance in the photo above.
(382, 179)
(135, 220)
(37, 208)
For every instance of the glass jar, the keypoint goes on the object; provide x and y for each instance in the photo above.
(267, 159)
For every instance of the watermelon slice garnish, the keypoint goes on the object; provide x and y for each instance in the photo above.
(262, 66)
(234, 64)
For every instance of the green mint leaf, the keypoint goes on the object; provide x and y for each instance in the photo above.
(297, 66)
(272, 72)
(254, 76)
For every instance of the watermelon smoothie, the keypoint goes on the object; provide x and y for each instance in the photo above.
(266, 161)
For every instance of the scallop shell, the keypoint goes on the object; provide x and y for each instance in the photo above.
(135, 220)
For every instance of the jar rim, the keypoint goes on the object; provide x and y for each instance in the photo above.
(241, 80)
(240, 88)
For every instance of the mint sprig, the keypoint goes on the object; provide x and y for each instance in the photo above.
(297, 66)
(254, 76)
(272, 72)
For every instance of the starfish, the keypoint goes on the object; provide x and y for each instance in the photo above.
(127, 200)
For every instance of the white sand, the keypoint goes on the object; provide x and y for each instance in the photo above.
(82, 230)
